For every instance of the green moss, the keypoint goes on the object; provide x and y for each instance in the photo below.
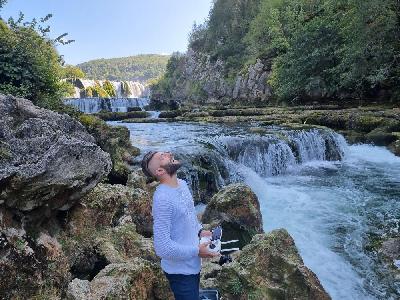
(4, 153)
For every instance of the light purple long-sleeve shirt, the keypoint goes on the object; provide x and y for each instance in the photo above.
(175, 229)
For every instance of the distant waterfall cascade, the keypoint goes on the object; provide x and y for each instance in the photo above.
(94, 105)
(127, 94)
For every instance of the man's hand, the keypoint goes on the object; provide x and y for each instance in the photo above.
(205, 253)
(205, 233)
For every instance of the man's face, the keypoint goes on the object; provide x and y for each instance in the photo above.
(164, 162)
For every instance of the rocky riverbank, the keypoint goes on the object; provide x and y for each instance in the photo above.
(75, 219)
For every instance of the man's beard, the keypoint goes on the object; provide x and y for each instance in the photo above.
(172, 168)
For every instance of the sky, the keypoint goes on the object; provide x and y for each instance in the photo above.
(115, 28)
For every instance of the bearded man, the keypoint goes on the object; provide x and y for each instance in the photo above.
(176, 228)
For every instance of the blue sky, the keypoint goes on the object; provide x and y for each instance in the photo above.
(115, 28)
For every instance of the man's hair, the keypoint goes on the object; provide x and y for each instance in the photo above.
(145, 163)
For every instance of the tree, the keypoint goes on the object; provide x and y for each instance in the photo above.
(30, 65)
(72, 72)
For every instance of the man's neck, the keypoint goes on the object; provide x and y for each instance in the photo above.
(171, 181)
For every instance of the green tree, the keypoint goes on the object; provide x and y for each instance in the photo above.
(30, 65)
(72, 72)
(109, 89)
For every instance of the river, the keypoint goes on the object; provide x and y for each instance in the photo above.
(330, 196)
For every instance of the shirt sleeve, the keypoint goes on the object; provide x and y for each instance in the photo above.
(164, 246)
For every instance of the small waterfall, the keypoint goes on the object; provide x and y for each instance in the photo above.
(223, 157)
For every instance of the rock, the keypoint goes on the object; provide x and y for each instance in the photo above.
(380, 137)
(137, 279)
(237, 209)
(270, 268)
(391, 248)
(137, 180)
(48, 160)
(116, 141)
(101, 230)
(209, 273)
(111, 205)
(29, 266)
(395, 147)
(78, 289)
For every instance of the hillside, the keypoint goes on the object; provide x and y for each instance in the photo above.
(288, 51)
(141, 68)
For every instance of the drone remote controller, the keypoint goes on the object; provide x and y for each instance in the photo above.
(215, 239)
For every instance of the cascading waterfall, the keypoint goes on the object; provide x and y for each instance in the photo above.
(94, 105)
(279, 153)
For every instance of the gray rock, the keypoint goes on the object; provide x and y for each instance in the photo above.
(78, 289)
(137, 279)
(391, 248)
(48, 160)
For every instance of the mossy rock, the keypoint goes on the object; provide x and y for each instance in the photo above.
(31, 266)
(116, 141)
(395, 147)
(270, 268)
(237, 209)
(170, 114)
(135, 279)
(380, 137)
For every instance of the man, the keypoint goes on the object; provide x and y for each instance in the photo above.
(176, 228)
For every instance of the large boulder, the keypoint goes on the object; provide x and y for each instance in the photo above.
(137, 279)
(237, 209)
(47, 160)
(104, 228)
(270, 268)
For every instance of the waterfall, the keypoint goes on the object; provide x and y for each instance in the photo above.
(94, 105)
(223, 157)
(133, 89)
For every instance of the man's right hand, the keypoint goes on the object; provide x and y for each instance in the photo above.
(205, 253)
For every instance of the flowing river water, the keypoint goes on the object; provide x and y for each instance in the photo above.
(331, 197)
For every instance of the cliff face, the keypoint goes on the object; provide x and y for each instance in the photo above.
(202, 81)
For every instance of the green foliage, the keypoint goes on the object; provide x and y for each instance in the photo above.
(109, 88)
(222, 36)
(174, 74)
(325, 48)
(136, 68)
(72, 72)
(30, 65)
(317, 49)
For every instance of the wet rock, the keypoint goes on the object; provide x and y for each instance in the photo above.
(137, 279)
(391, 248)
(237, 209)
(395, 147)
(270, 268)
(115, 140)
(47, 160)
(380, 137)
